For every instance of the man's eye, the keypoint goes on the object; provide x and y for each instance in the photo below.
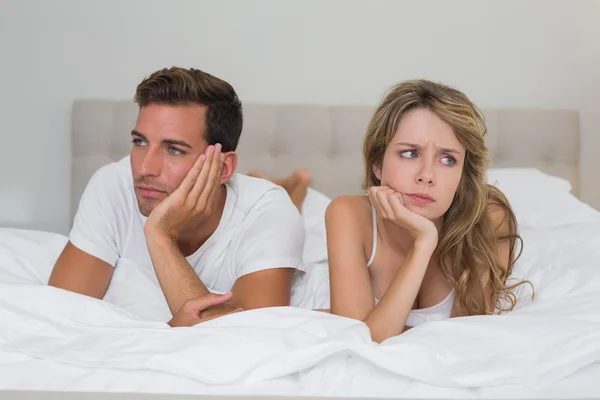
(175, 151)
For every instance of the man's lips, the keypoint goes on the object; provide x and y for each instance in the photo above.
(150, 191)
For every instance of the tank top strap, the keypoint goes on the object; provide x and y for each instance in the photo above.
(374, 213)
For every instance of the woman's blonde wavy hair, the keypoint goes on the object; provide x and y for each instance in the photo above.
(467, 247)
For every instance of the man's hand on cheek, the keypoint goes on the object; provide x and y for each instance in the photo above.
(203, 309)
(192, 200)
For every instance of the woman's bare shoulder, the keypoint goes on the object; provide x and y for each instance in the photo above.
(499, 210)
(349, 225)
(357, 207)
(499, 215)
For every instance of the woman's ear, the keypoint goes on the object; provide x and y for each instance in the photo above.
(377, 173)
(230, 164)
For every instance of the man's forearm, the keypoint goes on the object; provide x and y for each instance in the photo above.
(176, 277)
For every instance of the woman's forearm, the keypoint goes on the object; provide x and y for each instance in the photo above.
(389, 316)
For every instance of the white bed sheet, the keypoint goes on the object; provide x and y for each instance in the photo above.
(54, 340)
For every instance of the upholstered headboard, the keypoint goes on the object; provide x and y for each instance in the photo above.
(328, 141)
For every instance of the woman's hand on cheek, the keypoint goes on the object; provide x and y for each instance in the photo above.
(390, 206)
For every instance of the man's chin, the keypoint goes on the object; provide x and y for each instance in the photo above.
(145, 211)
(146, 206)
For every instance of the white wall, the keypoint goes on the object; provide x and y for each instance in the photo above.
(502, 54)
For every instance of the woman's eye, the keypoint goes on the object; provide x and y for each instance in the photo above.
(408, 154)
(448, 160)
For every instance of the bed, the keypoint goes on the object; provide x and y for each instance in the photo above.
(52, 341)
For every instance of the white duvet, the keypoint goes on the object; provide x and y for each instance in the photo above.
(55, 340)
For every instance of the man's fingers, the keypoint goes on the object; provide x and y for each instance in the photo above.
(213, 299)
(215, 171)
(190, 179)
(202, 303)
(202, 178)
(214, 177)
(204, 319)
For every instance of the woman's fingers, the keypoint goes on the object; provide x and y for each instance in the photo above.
(397, 205)
(379, 196)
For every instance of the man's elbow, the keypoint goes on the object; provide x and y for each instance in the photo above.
(263, 289)
(256, 301)
(81, 284)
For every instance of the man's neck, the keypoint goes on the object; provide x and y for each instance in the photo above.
(195, 234)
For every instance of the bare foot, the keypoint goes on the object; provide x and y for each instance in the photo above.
(277, 181)
(302, 176)
(296, 184)
(257, 174)
(298, 177)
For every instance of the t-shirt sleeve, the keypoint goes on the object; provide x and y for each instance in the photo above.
(274, 239)
(94, 228)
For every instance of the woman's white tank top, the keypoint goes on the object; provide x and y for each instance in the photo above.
(438, 312)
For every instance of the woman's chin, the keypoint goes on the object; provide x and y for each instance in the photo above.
(418, 210)
(424, 212)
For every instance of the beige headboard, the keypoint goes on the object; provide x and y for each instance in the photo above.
(328, 141)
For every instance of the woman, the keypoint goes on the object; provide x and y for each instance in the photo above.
(430, 240)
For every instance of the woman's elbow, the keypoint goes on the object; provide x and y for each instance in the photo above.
(381, 331)
(378, 336)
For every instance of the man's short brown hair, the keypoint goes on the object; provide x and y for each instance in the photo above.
(177, 86)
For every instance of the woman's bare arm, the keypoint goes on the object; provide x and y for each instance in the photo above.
(349, 280)
(500, 223)
(351, 292)
(389, 317)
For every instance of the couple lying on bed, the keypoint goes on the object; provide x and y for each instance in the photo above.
(428, 238)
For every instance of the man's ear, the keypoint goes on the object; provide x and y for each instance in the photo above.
(230, 164)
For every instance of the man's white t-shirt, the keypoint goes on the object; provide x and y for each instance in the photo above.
(260, 229)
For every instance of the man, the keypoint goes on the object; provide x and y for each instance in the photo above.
(176, 205)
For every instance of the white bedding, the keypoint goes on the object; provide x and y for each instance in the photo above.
(55, 340)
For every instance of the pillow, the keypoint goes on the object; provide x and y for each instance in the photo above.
(540, 200)
(521, 178)
(28, 256)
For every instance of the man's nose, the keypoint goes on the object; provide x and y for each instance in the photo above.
(152, 164)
